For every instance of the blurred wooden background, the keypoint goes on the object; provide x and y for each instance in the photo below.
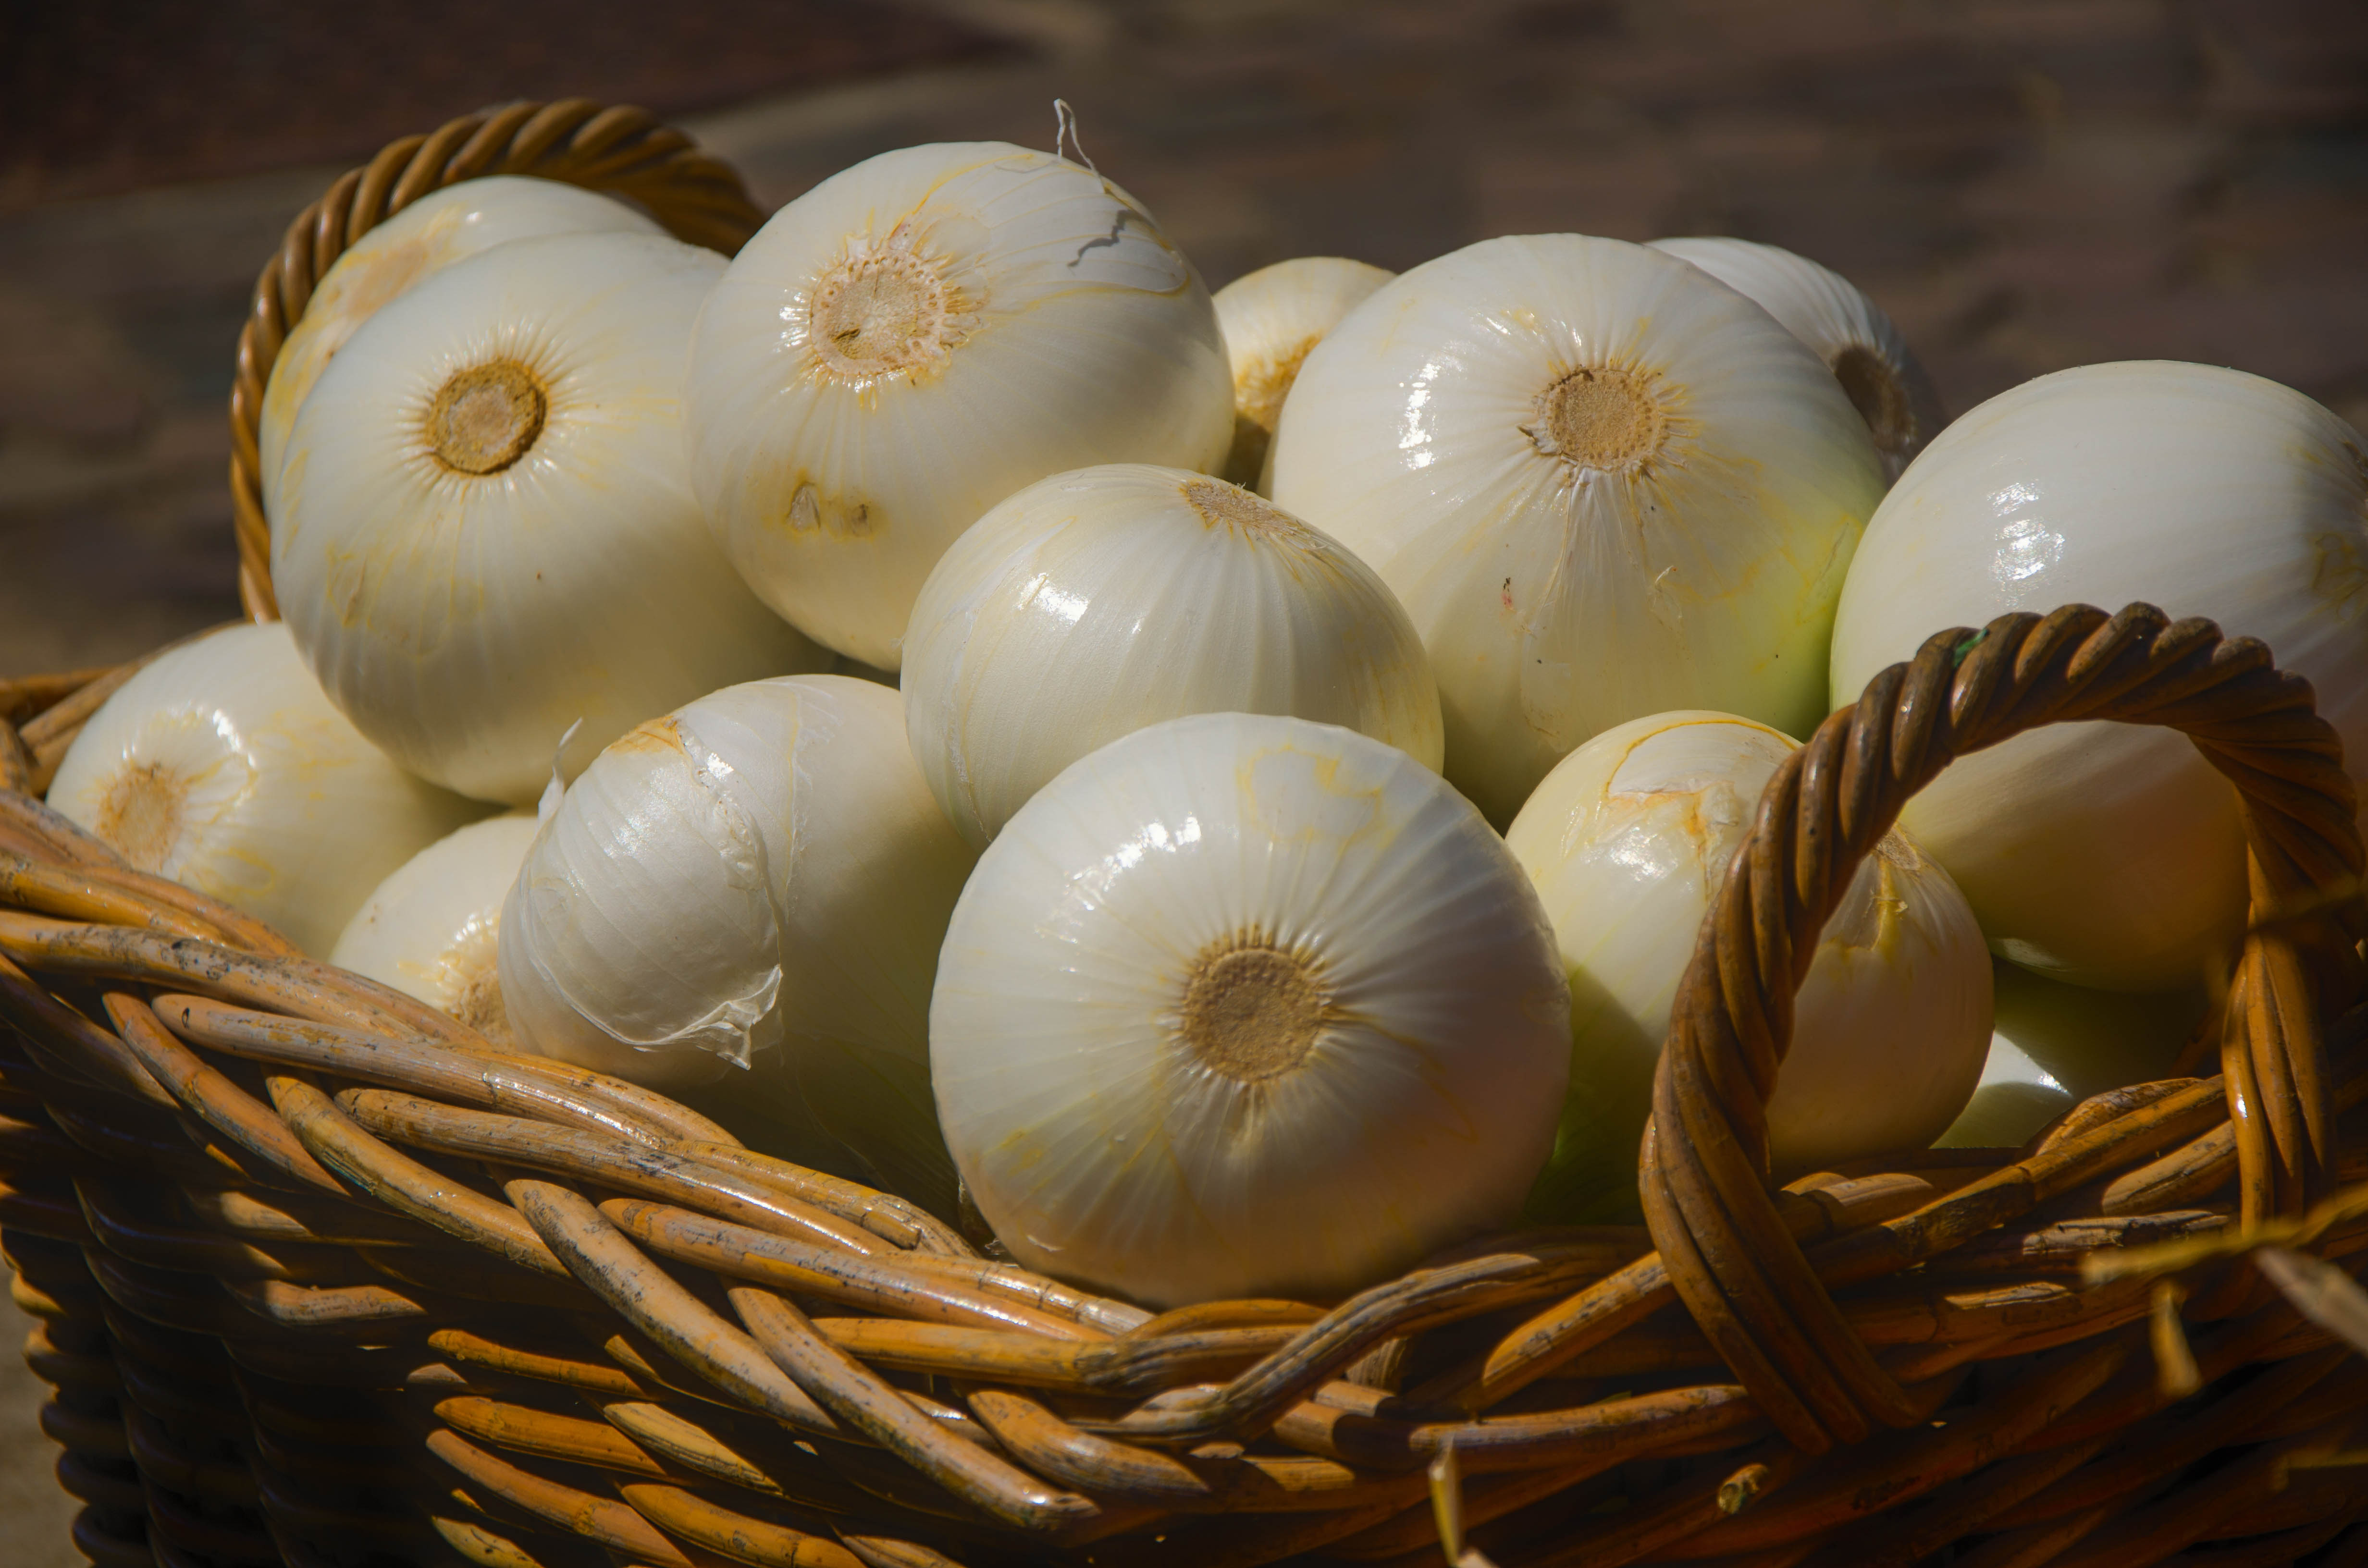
(2023, 184)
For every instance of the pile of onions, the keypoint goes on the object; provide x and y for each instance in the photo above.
(1245, 1005)
(1094, 603)
(224, 767)
(1603, 484)
(1628, 842)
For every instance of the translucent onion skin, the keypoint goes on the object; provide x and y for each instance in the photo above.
(2054, 1045)
(465, 620)
(431, 929)
(434, 231)
(223, 766)
(1272, 318)
(1628, 842)
(1094, 603)
(761, 878)
(1602, 483)
(2102, 854)
(1849, 332)
(918, 337)
(1244, 1005)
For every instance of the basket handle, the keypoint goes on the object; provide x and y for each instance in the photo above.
(1704, 1174)
(697, 197)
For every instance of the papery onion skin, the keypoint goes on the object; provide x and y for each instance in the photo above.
(1886, 381)
(221, 766)
(464, 617)
(430, 930)
(2098, 853)
(1628, 841)
(434, 231)
(1244, 1005)
(2054, 1045)
(1006, 315)
(759, 878)
(1272, 319)
(1094, 603)
(1603, 484)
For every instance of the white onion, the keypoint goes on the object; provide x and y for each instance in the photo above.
(1243, 1006)
(1603, 484)
(430, 930)
(223, 766)
(761, 879)
(914, 339)
(1094, 603)
(1628, 842)
(1271, 319)
(2054, 1045)
(484, 531)
(2100, 853)
(1849, 332)
(431, 234)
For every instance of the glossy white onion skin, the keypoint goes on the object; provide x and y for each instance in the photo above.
(1094, 603)
(2099, 852)
(223, 766)
(2054, 1045)
(1105, 1147)
(1073, 334)
(434, 231)
(1558, 597)
(466, 620)
(1272, 318)
(1628, 842)
(1849, 332)
(761, 878)
(430, 930)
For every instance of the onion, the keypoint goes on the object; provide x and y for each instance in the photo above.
(1094, 603)
(2054, 1045)
(430, 930)
(484, 530)
(759, 878)
(1843, 327)
(1602, 483)
(1271, 319)
(913, 340)
(434, 231)
(221, 766)
(1244, 1005)
(1628, 842)
(2101, 852)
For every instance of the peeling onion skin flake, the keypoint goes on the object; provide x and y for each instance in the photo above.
(759, 880)
(1243, 1006)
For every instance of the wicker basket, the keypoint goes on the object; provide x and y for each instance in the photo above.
(323, 1279)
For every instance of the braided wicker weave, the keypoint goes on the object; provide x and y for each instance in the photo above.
(324, 1278)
